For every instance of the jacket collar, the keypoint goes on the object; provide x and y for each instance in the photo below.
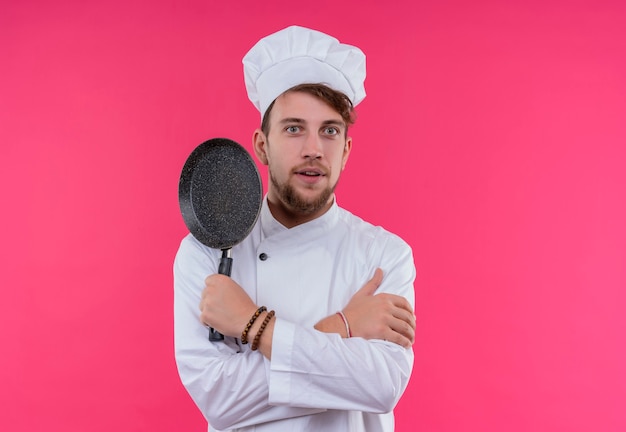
(270, 226)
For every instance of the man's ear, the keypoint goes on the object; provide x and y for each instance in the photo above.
(346, 153)
(259, 142)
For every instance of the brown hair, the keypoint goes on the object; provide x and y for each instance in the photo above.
(333, 98)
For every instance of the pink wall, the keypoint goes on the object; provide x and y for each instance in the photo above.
(493, 140)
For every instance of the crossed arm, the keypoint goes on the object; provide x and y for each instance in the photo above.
(226, 307)
(235, 388)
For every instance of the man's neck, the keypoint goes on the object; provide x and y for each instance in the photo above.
(289, 218)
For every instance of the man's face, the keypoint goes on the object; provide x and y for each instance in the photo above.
(306, 150)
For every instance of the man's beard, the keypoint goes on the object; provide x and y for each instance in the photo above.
(296, 202)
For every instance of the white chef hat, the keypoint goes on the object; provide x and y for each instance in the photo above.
(298, 55)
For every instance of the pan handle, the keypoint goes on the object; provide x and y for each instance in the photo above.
(226, 265)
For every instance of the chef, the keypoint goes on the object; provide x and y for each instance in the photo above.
(318, 312)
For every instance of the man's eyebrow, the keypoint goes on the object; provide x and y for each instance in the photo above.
(334, 123)
(292, 120)
(295, 120)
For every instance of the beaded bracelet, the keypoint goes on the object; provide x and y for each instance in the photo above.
(244, 333)
(257, 337)
(345, 321)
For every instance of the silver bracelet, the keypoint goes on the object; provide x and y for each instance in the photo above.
(345, 321)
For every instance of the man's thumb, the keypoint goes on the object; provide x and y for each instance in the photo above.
(372, 285)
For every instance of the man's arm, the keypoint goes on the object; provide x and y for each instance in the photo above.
(227, 307)
(312, 369)
(228, 384)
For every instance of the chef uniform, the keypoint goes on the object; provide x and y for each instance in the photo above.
(314, 381)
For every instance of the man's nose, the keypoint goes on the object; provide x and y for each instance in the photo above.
(312, 148)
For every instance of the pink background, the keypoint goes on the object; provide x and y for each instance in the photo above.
(493, 139)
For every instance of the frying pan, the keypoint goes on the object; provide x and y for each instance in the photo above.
(220, 194)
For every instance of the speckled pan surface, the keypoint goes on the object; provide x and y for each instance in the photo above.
(220, 193)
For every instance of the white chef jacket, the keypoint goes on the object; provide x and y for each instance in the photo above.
(315, 381)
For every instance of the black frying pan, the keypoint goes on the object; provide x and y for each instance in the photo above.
(220, 195)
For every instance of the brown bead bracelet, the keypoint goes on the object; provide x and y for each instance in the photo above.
(244, 333)
(257, 337)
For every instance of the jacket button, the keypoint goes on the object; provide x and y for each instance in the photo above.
(263, 256)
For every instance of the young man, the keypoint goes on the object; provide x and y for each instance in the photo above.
(323, 298)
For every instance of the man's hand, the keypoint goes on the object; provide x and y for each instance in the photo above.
(225, 306)
(377, 316)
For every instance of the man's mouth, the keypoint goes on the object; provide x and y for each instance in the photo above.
(309, 173)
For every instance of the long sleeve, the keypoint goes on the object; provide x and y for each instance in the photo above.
(229, 385)
(313, 369)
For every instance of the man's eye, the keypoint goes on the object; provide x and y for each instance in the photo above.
(293, 129)
(331, 130)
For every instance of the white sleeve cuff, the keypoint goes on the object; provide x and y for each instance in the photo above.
(281, 364)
